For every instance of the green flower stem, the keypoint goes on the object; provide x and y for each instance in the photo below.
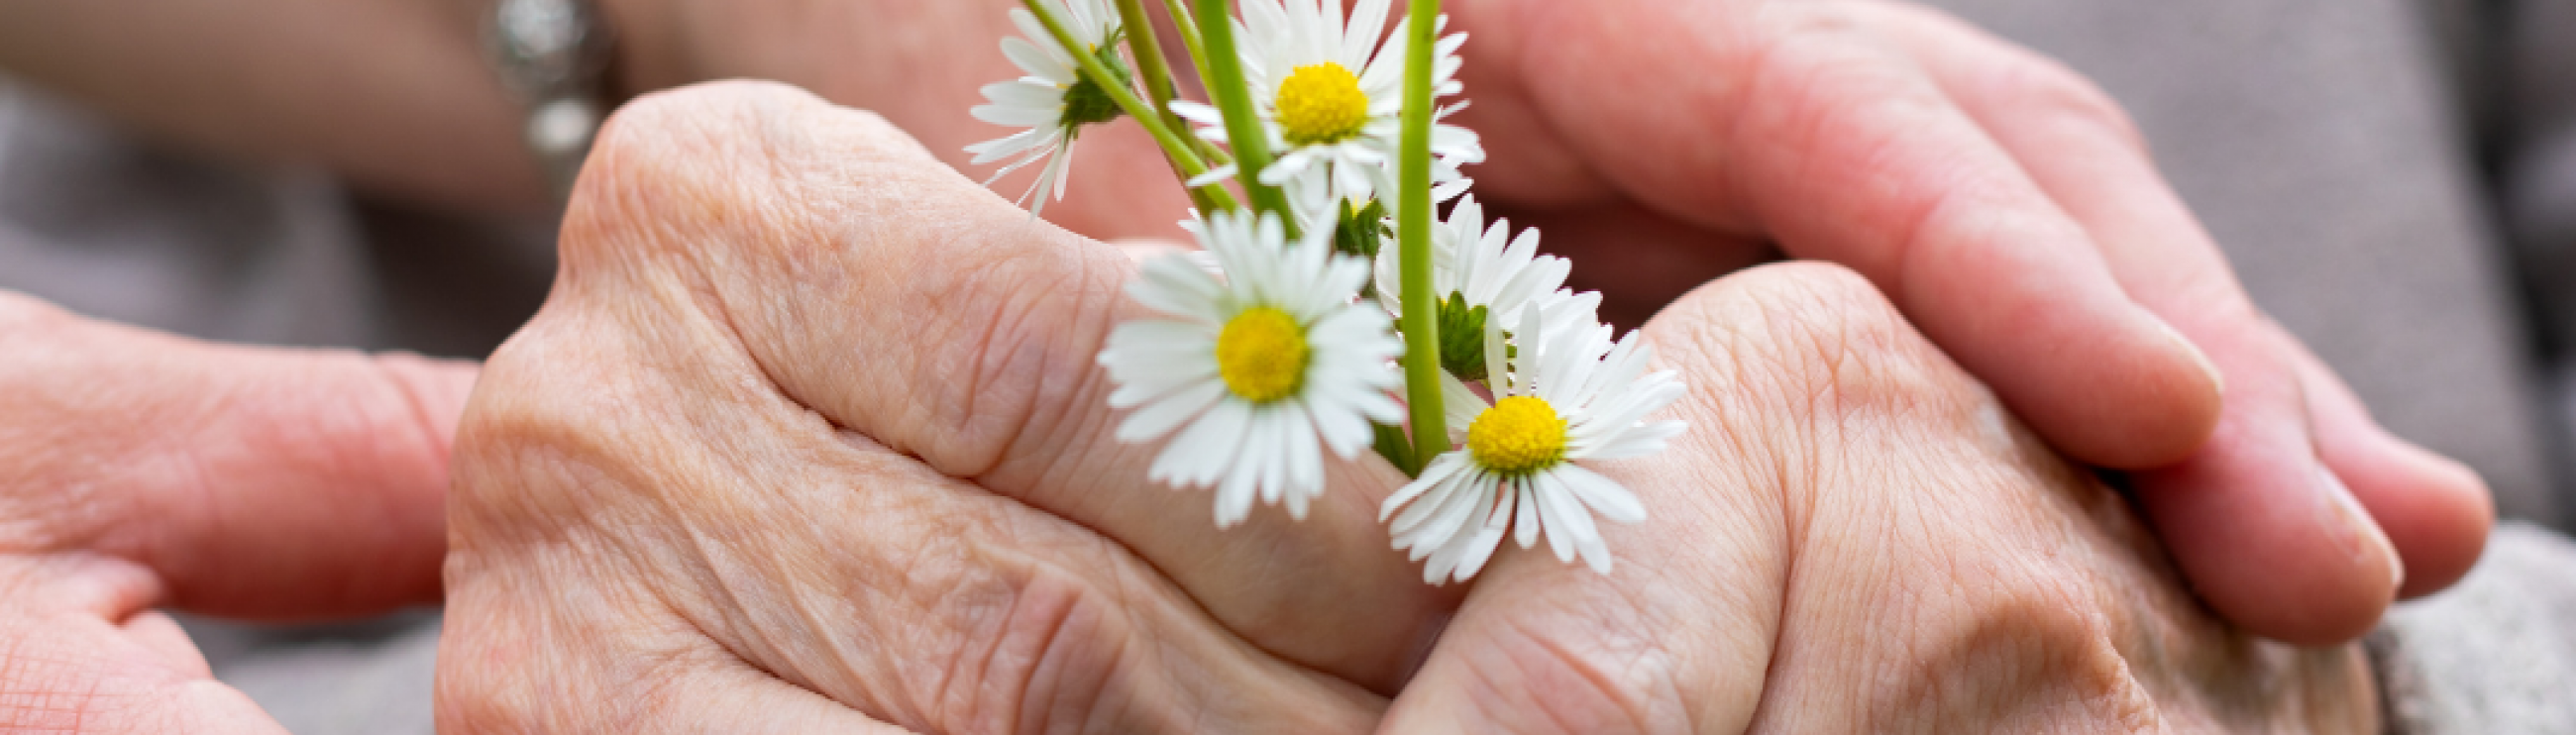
(1225, 87)
(1152, 70)
(1421, 323)
(1180, 10)
(1178, 149)
(1148, 50)
(1181, 18)
(1398, 450)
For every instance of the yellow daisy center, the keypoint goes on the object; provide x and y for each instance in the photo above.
(1321, 103)
(1518, 436)
(1261, 354)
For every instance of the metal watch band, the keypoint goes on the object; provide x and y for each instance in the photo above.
(554, 54)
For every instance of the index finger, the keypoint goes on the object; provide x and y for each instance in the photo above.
(253, 482)
(1800, 120)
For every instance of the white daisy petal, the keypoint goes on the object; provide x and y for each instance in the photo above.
(1213, 176)
(1445, 500)
(1603, 495)
(1198, 112)
(1022, 94)
(1269, 476)
(1441, 468)
(1566, 524)
(1211, 443)
(1155, 419)
(1174, 285)
(1462, 509)
(1561, 398)
(1012, 145)
(1480, 547)
(1037, 102)
(1639, 441)
(1304, 459)
(1030, 57)
(1254, 426)
(1525, 521)
(1348, 158)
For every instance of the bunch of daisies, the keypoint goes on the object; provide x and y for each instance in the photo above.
(1332, 307)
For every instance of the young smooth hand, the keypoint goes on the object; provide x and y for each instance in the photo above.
(146, 471)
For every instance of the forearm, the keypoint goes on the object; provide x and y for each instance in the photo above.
(394, 95)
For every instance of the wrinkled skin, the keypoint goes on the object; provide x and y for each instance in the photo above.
(810, 435)
(143, 470)
(2006, 206)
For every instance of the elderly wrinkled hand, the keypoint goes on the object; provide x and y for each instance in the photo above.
(811, 434)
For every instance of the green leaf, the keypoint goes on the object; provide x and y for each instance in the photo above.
(1086, 103)
(1462, 338)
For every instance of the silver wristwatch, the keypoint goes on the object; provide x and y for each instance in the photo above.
(554, 54)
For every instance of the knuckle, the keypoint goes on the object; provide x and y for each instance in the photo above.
(1595, 673)
(21, 314)
(688, 172)
(541, 426)
(1048, 651)
(1814, 341)
(2031, 645)
(1030, 364)
(2046, 89)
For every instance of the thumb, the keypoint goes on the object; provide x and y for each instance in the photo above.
(254, 482)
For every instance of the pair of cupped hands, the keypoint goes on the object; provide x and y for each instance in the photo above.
(810, 437)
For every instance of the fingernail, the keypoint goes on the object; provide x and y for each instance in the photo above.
(2361, 535)
(2217, 380)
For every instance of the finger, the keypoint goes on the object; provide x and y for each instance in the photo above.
(155, 631)
(266, 483)
(899, 300)
(630, 515)
(1804, 124)
(2259, 521)
(1638, 259)
(2435, 510)
(74, 672)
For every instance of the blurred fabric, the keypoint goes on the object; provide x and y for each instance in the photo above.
(2329, 146)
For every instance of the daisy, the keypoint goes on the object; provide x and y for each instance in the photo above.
(1054, 101)
(1568, 394)
(1331, 99)
(1479, 274)
(1260, 370)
